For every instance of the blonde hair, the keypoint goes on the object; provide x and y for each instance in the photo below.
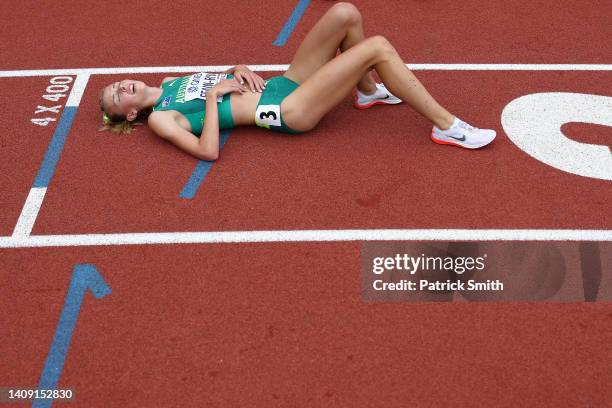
(118, 123)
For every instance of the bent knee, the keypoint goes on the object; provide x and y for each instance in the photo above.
(297, 118)
(379, 41)
(346, 13)
(380, 44)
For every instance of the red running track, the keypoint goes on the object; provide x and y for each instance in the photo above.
(282, 324)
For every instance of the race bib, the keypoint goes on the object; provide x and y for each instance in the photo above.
(268, 115)
(198, 84)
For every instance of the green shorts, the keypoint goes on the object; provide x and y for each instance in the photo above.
(268, 113)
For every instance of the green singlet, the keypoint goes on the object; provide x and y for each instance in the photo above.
(183, 95)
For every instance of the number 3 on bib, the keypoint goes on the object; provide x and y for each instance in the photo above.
(268, 115)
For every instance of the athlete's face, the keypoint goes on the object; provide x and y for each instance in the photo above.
(124, 98)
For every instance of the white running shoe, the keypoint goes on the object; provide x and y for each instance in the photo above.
(381, 97)
(463, 135)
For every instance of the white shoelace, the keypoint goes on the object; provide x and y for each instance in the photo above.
(467, 126)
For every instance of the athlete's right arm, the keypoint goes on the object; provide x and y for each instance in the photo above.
(164, 124)
(206, 147)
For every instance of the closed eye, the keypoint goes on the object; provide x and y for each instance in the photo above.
(115, 93)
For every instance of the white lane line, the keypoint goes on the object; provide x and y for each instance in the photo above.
(284, 67)
(26, 220)
(36, 196)
(303, 236)
(29, 212)
(510, 67)
(78, 89)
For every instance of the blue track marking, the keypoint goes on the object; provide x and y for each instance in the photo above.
(55, 147)
(84, 277)
(293, 21)
(201, 170)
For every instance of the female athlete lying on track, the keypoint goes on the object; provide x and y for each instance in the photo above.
(317, 80)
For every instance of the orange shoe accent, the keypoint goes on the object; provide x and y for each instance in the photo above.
(369, 105)
(442, 142)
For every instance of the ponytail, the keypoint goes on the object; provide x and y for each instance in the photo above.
(119, 123)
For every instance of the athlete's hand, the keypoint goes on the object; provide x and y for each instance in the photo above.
(227, 86)
(243, 74)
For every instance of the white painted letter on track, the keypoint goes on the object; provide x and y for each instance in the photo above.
(54, 93)
(41, 109)
(62, 80)
(533, 123)
(57, 88)
(42, 121)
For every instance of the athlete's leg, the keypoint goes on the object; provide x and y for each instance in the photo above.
(339, 28)
(328, 86)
